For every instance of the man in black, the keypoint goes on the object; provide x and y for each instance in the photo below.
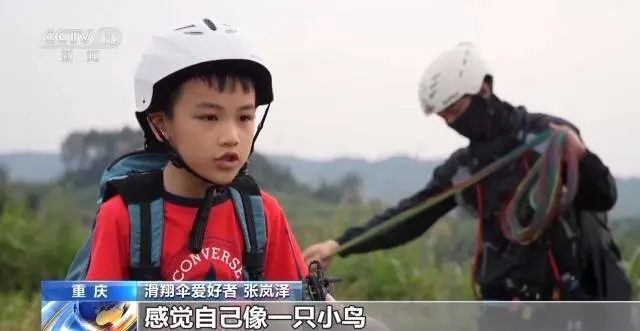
(575, 258)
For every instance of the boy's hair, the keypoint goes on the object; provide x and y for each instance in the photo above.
(165, 93)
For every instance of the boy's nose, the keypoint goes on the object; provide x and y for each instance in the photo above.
(229, 137)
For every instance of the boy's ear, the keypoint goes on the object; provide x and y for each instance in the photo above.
(158, 124)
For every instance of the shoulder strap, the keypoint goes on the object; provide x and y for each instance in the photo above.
(142, 193)
(250, 215)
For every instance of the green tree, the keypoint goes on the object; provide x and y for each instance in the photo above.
(4, 181)
(351, 187)
(86, 154)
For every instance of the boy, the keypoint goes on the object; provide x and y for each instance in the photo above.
(197, 89)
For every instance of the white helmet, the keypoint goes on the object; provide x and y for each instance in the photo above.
(456, 72)
(197, 43)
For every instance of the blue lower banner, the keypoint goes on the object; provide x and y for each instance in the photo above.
(96, 305)
(170, 291)
(374, 316)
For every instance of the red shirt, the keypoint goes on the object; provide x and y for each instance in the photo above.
(221, 256)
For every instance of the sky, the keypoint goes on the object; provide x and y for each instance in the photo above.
(345, 72)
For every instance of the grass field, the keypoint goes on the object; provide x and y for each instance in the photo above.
(35, 246)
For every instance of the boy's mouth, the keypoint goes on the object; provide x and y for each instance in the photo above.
(227, 160)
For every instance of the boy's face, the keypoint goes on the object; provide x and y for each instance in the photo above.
(212, 130)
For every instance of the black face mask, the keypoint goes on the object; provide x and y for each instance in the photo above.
(477, 123)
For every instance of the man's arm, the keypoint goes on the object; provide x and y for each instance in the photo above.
(283, 261)
(597, 190)
(411, 228)
(110, 243)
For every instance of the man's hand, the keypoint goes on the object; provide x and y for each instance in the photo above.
(321, 252)
(576, 146)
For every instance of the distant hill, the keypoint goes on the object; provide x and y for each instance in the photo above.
(384, 180)
(387, 180)
(32, 166)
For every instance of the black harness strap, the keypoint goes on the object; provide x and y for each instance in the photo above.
(141, 190)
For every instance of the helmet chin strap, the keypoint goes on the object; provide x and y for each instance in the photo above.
(244, 170)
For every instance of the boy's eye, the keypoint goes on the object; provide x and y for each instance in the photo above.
(208, 117)
(246, 118)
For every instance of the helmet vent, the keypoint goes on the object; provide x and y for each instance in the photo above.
(433, 87)
(210, 24)
(185, 27)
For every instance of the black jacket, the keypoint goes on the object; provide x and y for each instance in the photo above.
(597, 192)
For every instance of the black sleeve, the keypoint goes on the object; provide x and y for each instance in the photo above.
(413, 227)
(597, 190)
